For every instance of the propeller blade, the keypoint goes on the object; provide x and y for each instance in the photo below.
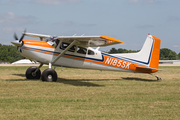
(15, 36)
(22, 36)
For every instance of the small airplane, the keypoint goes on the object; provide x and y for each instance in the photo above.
(77, 52)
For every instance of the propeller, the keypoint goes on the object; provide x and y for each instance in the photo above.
(18, 41)
(16, 38)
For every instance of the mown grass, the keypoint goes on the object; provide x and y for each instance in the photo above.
(90, 94)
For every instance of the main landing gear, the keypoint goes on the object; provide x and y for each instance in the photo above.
(48, 75)
(33, 73)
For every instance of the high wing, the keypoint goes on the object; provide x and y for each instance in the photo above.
(90, 41)
(86, 41)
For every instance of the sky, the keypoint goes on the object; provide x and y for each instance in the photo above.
(127, 20)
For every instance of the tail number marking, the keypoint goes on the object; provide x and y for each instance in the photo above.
(117, 63)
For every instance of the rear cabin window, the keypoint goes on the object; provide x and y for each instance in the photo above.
(65, 45)
(90, 52)
(81, 50)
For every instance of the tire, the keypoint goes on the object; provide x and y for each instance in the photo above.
(49, 75)
(30, 75)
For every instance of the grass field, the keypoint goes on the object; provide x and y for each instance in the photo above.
(90, 94)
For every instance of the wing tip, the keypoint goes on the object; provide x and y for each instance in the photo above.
(111, 39)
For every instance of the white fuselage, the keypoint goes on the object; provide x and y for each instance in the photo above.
(69, 59)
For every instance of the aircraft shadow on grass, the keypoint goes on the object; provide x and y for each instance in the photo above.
(21, 75)
(138, 79)
(85, 82)
(78, 82)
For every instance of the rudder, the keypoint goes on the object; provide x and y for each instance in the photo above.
(154, 62)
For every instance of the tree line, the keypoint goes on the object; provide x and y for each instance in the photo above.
(10, 54)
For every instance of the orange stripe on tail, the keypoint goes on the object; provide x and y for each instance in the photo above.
(154, 63)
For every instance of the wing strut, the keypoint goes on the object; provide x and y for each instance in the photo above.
(64, 51)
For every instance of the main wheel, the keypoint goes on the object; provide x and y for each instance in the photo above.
(30, 73)
(49, 75)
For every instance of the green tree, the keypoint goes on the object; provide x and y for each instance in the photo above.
(167, 54)
(113, 50)
(178, 56)
(120, 50)
(172, 55)
(9, 53)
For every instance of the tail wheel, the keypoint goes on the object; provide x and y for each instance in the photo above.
(30, 73)
(49, 75)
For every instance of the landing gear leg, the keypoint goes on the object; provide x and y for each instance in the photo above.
(38, 68)
(158, 78)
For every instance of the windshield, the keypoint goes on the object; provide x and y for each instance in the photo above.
(52, 41)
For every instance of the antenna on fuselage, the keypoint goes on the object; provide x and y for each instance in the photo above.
(97, 48)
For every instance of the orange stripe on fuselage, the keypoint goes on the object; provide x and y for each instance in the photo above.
(40, 51)
(37, 43)
(114, 62)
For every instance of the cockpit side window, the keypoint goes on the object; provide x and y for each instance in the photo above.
(81, 50)
(57, 42)
(90, 52)
(64, 45)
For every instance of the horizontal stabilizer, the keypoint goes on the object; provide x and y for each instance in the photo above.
(148, 68)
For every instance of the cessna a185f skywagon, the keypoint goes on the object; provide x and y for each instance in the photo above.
(76, 52)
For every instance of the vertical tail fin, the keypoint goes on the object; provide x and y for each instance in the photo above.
(149, 54)
(151, 50)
